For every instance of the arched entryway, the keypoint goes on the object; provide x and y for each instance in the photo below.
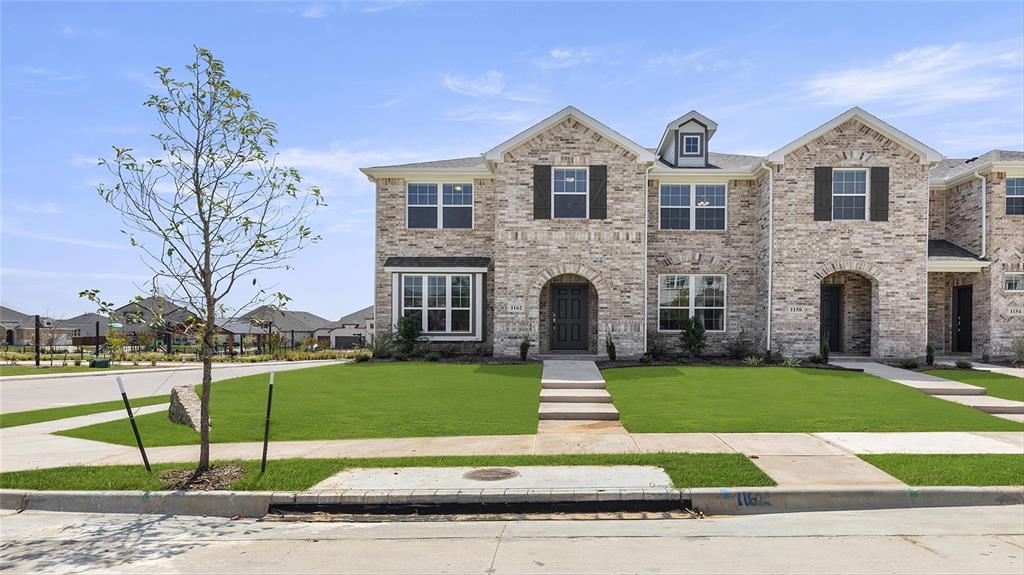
(568, 315)
(848, 316)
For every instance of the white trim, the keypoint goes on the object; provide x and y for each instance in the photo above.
(440, 205)
(693, 206)
(497, 153)
(1021, 274)
(771, 251)
(927, 154)
(427, 174)
(939, 264)
(585, 194)
(867, 195)
(425, 308)
(440, 270)
(674, 125)
(1007, 196)
(1011, 168)
(396, 305)
(478, 295)
(692, 308)
(682, 145)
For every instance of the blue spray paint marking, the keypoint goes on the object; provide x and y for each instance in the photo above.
(746, 499)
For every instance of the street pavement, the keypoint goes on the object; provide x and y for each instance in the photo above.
(932, 541)
(25, 394)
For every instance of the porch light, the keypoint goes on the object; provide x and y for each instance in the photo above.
(458, 188)
(570, 179)
(702, 204)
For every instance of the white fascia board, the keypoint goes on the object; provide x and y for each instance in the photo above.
(1010, 168)
(496, 154)
(956, 265)
(439, 270)
(684, 175)
(927, 154)
(427, 174)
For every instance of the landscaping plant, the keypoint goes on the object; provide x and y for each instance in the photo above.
(609, 346)
(408, 332)
(1018, 350)
(929, 354)
(524, 348)
(910, 363)
(753, 360)
(964, 364)
(210, 209)
(693, 337)
(825, 352)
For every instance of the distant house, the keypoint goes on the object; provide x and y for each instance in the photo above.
(142, 315)
(83, 331)
(232, 334)
(352, 330)
(294, 326)
(19, 329)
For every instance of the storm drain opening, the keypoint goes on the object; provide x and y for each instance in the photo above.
(491, 474)
(667, 508)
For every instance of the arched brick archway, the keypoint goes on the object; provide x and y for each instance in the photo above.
(848, 307)
(538, 300)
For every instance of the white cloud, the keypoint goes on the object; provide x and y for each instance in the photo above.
(19, 233)
(77, 32)
(316, 11)
(382, 105)
(491, 114)
(83, 160)
(677, 59)
(50, 74)
(924, 79)
(373, 7)
(44, 208)
(52, 274)
(489, 84)
(560, 58)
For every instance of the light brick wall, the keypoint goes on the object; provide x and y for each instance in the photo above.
(1006, 250)
(857, 303)
(893, 253)
(937, 214)
(609, 253)
(963, 215)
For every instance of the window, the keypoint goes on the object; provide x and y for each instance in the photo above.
(1015, 196)
(849, 194)
(704, 209)
(1013, 281)
(569, 188)
(691, 145)
(683, 296)
(453, 211)
(446, 305)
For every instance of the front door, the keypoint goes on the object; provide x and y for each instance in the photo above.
(569, 316)
(832, 316)
(963, 318)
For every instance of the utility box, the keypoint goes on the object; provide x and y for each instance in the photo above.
(99, 363)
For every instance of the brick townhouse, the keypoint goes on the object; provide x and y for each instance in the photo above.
(569, 232)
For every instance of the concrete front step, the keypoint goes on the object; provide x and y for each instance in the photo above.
(577, 384)
(987, 403)
(575, 396)
(592, 411)
(568, 374)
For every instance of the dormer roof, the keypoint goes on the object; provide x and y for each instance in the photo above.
(693, 115)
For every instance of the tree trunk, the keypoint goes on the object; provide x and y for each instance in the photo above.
(204, 410)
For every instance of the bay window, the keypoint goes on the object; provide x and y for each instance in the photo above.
(681, 297)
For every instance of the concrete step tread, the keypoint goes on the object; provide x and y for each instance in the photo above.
(596, 411)
(986, 403)
(572, 384)
(575, 395)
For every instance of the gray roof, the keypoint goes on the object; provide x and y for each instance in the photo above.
(8, 315)
(717, 160)
(944, 249)
(238, 326)
(357, 318)
(468, 162)
(950, 167)
(287, 320)
(437, 262)
(85, 322)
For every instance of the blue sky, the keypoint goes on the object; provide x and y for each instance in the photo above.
(354, 85)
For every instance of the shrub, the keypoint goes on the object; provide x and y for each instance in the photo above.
(400, 356)
(407, 333)
(825, 352)
(738, 348)
(929, 354)
(432, 356)
(382, 346)
(78, 362)
(361, 357)
(646, 358)
(693, 337)
(910, 363)
(524, 348)
(791, 362)
(609, 346)
(656, 347)
(1018, 350)
(817, 358)
(964, 364)
(753, 360)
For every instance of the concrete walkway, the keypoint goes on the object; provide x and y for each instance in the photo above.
(953, 391)
(1011, 371)
(573, 393)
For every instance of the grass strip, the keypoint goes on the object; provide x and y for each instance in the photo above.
(971, 470)
(12, 370)
(996, 384)
(53, 413)
(686, 470)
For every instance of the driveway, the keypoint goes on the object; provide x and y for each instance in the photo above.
(59, 391)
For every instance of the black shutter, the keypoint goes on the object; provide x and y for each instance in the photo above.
(542, 192)
(598, 192)
(879, 194)
(822, 194)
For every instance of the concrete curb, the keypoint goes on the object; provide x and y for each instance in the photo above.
(712, 501)
(189, 365)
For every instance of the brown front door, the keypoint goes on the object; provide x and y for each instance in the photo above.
(569, 316)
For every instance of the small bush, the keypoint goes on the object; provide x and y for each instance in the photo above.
(825, 351)
(964, 364)
(408, 331)
(609, 346)
(646, 358)
(738, 348)
(363, 357)
(656, 347)
(400, 356)
(693, 336)
(909, 363)
(78, 362)
(817, 358)
(1018, 350)
(432, 356)
(524, 348)
(753, 360)
(382, 346)
(929, 354)
(791, 362)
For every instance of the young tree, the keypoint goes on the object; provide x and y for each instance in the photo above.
(214, 209)
(145, 338)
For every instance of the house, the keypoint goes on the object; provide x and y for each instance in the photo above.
(569, 232)
(19, 329)
(153, 313)
(353, 330)
(294, 326)
(237, 334)
(86, 329)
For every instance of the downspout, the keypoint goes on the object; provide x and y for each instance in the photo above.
(984, 214)
(647, 207)
(771, 205)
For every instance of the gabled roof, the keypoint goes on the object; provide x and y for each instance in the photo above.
(357, 318)
(927, 154)
(8, 315)
(496, 154)
(952, 170)
(694, 115)
(287, 320)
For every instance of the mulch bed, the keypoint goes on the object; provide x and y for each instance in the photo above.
(216, 478)
(719, 361)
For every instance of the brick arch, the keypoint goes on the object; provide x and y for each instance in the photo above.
(542, 277)
(867, 269)
(699, 260)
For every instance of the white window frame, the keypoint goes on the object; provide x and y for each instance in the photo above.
(441, 205)
(1008, 290)
(425, 306)
(867, 195)
(585, 194)
(682, 145)
(1006, 207)
(692, 308)
(693, 206)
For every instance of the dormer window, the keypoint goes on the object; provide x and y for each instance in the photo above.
(691, 144)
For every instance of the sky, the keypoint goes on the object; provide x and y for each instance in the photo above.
(352, 85)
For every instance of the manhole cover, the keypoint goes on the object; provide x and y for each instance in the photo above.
(491, 474)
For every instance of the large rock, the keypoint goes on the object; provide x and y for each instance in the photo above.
(185, 406)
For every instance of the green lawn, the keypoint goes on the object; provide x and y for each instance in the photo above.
(743, 399)
(52, 413)
(951, 469)
(997, 384)
(358, 400)
(10, 370)
(685, 469)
